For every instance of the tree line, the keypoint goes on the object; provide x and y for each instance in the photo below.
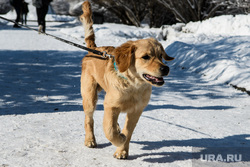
(155, 13)
(159, 12)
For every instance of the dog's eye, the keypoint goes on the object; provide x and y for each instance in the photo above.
(146, 57)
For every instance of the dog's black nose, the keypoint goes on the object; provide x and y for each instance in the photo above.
(164, 70)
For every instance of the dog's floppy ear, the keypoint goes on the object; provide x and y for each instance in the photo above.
(167, 58)
(123, 55)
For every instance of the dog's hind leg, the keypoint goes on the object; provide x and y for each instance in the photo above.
(89, 91)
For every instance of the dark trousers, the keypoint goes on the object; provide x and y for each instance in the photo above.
(18, 12)
(41, 13)
(24, 18)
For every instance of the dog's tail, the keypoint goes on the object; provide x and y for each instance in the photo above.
(86, 19)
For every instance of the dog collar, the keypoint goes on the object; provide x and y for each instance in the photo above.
(118, 72)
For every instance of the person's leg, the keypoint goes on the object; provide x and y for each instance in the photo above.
(25, 18)
(18, 12)
(44, 11)
(39, 13)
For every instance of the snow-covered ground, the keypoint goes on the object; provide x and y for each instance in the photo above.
(195, 113)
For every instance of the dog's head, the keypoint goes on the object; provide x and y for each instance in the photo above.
(144, 57)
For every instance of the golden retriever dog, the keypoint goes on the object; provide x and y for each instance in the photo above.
(127, 79)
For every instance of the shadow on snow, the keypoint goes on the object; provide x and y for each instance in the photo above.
(237, 144)
(39, 81)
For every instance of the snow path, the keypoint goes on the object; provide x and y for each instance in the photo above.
(41, 117)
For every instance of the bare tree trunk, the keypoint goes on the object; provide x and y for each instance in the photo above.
(175, 11)
(199, 6)
(212, 11)
(132, 17)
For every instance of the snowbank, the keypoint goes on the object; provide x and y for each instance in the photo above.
(222, 25)
(228, 25)
(217, 48)
(224, 61)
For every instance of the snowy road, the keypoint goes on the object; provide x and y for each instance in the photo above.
(41, 118)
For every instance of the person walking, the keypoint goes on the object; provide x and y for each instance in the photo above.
(42, 7)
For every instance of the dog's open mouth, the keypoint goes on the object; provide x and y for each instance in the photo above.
(154, 80)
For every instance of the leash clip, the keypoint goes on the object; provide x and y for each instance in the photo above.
(105, 55)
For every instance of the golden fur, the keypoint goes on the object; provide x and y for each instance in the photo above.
(128, 89)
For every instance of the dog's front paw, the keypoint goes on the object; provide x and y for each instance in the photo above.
(121, 154)
(90, 144)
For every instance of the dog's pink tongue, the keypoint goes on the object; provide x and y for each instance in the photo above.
(155, 78)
